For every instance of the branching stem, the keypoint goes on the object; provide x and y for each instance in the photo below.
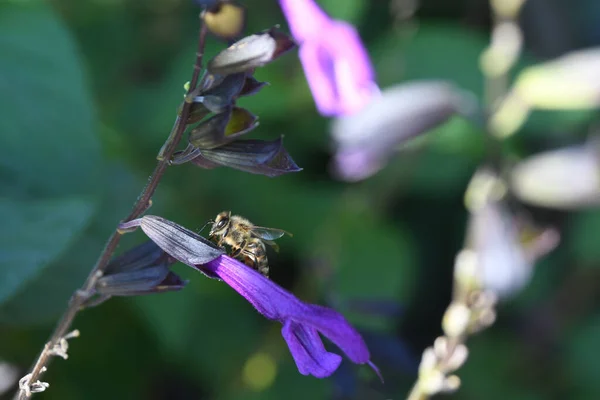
(141, 205)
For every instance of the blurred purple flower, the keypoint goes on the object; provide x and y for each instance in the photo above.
(334, 59)
(302, 322)
(366, 140)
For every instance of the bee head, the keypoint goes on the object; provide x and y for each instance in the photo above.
(221, 224)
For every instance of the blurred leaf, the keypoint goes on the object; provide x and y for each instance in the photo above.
(34, 234)
(451, 52)
(582, 237)
(547, 275)
(352, 10)
(47, 295)
(436, 173)
(581, 364)
(286, 94)
(544, 124)
(489, 372)
(46, 120)
(287, 376)
(158, 101)
(460, 137)
(373, 259)
(213, 330)
(50, 154)
(436, 51)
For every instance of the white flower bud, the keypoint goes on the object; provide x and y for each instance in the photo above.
(456, 319)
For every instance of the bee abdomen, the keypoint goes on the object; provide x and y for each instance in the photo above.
(262, 265)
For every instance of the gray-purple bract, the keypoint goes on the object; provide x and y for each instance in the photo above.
(143, 269)
(177, 241)
(214, 141)
(251, 52)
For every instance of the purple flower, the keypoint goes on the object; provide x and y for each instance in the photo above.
(302, 322)
(366, 140)
(334, 59)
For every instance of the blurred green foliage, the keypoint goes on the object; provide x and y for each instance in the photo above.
(89, 93)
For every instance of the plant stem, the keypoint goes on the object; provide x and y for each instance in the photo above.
(416, 394)
(141, 205)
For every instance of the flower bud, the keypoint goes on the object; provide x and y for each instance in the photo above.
(456, 319)
(225, 19)
(251, 52)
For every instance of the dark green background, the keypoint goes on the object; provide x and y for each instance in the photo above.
(88, 93)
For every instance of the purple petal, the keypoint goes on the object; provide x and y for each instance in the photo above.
(277, 303)
(266, 296)
(355, 165)
(308, 351)
(365, 140)
(336, 328)
(305, 19)
(340, 77)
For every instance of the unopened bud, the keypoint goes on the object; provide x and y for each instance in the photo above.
(456, 319)
(451, 384)
(457, 358)
(432, 383)
(465, 269)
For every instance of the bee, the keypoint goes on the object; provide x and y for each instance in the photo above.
(247, 241)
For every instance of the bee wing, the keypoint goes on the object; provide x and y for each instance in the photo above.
(268, 233)
(271, 243)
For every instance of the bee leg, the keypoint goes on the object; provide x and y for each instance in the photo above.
(235, 253)
(245, 255)
(250, 259)
(264, 270)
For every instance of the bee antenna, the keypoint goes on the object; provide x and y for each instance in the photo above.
(204, 226)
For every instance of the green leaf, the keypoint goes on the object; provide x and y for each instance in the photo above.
(436, 51)
(34, 233)
(582, 360)
(46, 295)
(46, 120)
(492, 370)
(213, 330)
(582, 241)
(50, 167)
(451, 52)
(350, 10)
(373, 260)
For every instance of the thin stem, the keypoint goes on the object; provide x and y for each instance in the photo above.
(415, 393)
(141, 205)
